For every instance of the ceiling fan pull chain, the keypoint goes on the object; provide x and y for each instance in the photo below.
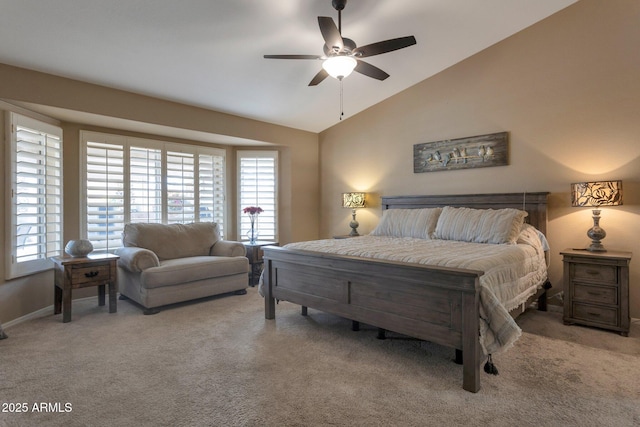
(341, 101)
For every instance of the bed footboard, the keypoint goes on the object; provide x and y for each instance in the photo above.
(436, 304)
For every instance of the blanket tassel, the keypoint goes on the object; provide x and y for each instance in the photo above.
(489, 367)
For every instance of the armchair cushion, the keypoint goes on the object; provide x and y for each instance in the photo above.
(184, 270)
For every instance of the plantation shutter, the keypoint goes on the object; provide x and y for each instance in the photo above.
(257, 187)
(131, 179)
(180, 187)
(105, 195)
(36, 195)
(145, 184)
(211, 189)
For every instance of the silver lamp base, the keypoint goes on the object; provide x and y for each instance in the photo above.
(354, 224)
(596, 234)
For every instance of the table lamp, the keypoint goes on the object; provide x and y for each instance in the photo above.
(596, 194)
(353, 200)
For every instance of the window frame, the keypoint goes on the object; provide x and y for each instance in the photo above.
(52, 238)
(244, 154)
(127, 143)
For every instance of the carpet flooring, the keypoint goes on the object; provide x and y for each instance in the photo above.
(218, 362)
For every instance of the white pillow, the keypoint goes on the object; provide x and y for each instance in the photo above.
(531, 236)
(417, 223)
(480, 225)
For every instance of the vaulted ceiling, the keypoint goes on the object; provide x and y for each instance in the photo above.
(209, 53)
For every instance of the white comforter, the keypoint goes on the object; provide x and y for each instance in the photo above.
(512, 273)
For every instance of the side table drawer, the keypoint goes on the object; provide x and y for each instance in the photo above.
(604, 315)
(596, 273)
(596, 294)
(90, 274)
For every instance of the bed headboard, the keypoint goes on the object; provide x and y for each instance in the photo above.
(534, 203)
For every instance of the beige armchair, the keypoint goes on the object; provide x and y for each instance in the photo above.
(165, 264)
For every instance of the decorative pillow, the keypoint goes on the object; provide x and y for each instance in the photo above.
(480, 225)
(417, 223)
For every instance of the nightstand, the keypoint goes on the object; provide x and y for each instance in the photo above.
(82, 272)
(596, 289)
(256, 261)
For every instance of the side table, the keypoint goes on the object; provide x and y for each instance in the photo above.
(596, 289)
(256, 259)
(82, 272)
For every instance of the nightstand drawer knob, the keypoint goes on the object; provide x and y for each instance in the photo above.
(593, 272)
(591, 313)
(91, 274)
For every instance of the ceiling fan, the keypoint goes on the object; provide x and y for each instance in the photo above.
(342, 56)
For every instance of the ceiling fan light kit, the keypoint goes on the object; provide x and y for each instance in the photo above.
(342, 55)
(339, 67)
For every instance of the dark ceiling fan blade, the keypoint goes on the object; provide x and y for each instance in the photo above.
(370, 70)
(384, 46)
(292, 57)
(330, 33)
(322, 74)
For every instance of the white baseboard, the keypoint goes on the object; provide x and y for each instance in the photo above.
(36, 314)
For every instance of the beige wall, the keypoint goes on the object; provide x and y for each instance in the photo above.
(298, 162)
(568, 92)
(566, 89)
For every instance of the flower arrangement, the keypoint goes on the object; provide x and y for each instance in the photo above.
(252, 211)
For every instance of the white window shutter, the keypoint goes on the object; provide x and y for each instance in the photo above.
(145, 184)
(105, 195)
(180, 191)
(140, 180)
(258, 187)
(36, 195)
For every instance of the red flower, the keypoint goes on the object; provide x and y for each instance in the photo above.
(252, 210)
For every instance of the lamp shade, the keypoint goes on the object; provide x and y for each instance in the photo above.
(340, 66)
(353, 200)
(598, 193)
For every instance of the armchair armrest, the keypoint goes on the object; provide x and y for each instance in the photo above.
(227, 248)
(136, 260)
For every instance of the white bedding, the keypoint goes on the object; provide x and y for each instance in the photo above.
(512, 272)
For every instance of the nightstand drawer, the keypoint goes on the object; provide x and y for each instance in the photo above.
(596, 273)
(596, 294)
(92, 275)
(604, 315)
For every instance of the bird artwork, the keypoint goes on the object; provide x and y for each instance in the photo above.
(489, 151)
(481, 152)
(456, 154)
(462, 153)
(445, 159)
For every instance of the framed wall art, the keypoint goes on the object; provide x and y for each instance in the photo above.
(463, 153)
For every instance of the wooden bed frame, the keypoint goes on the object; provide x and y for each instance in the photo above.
(436, 304)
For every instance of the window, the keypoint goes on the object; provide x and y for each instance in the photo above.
(180, 187)
(257, 178)
(140, 180)
(104, 195)
(35, 165)
(145, 184)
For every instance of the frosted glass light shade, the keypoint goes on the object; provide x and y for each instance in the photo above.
(339, 67)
